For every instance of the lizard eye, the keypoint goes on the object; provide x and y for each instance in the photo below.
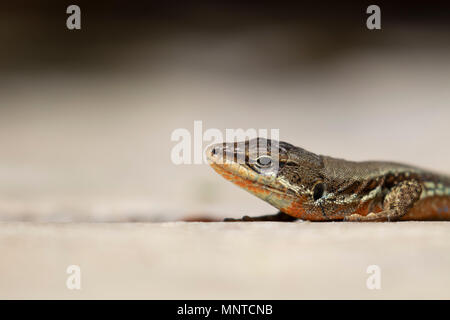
(318, 191)
(264, 161)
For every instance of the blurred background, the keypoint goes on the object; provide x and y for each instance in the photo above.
(86, 116)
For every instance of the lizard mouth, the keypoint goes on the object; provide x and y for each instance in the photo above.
(244, 177)
(282, 200)
(257, 188)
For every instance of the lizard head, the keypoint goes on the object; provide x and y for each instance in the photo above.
(288, 177)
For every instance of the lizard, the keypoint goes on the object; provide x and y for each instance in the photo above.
(303, 185)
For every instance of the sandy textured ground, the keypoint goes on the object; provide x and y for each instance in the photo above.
(219, 260)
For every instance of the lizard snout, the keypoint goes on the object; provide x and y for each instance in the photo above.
(225, 152)
(216, 152)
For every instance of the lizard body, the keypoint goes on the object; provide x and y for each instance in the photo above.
(303, 185)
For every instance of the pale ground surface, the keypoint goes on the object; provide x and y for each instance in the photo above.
(180, 260)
